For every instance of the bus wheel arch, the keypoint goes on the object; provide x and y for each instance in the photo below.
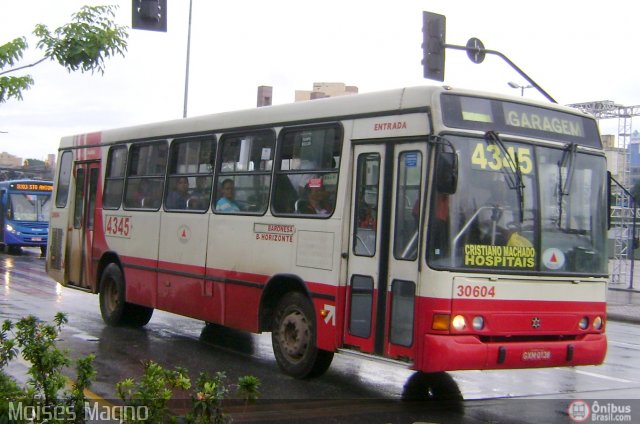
(277, 287)
(114, 308)
(289, 310)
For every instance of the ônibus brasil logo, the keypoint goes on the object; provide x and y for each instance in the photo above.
(579, 411)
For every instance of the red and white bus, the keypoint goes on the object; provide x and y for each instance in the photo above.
(440, 228)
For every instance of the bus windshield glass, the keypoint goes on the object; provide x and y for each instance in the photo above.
(551, 221)
(29, 207)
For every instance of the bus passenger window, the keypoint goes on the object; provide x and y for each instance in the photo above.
(244, 176)
(190, 174)
(114, 180)
(64, 179)
(147, 162)
(307, 174)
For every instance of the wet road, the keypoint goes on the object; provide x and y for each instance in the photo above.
(353, 390)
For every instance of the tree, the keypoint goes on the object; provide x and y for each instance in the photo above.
(81, 45)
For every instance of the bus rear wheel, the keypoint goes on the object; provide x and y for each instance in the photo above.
(294, 338)
(113, 306)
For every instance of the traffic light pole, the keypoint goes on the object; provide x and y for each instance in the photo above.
(434, 34)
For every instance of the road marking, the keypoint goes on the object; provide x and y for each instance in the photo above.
(622, 344)
(605, 377)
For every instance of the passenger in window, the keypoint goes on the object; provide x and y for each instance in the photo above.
(317, 198)
(201, 195)
(366, 214)
(178, 197)
(227, 202)
(140, 199)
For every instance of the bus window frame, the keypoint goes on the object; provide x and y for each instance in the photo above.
(65, 170)
(220, 176)
(319, 172)
(129, 176)
(172, 163)
(108, 179)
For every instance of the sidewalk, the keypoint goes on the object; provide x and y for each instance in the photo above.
(624, 305)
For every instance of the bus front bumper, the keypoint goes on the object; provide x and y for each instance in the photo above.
(25, 239)
(450, 353)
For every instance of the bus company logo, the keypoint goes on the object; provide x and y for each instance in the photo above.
(184, 234)
(535, 322)
(579, 411)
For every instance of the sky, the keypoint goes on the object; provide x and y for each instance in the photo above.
(577, 50)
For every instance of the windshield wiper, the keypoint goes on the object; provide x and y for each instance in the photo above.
(513, 173)
(569, 160)
(564, 188)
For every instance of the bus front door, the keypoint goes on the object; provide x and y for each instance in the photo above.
(80, 237)
(384, 250)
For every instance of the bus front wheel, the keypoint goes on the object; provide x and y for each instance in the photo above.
(294, 338)
(113, 306)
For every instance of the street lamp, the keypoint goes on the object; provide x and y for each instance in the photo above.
(521, 87)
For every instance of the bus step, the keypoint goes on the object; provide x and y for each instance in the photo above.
(374, 358)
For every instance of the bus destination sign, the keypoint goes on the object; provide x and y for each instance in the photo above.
(508, 117)
(32, 186)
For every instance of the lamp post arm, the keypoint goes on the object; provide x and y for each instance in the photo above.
(506, 59)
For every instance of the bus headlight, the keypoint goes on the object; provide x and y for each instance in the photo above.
(458, 323)
(597, 323)
(584, 323)
(477, 323)
(9, 228)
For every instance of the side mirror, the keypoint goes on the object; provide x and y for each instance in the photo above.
(447, 172)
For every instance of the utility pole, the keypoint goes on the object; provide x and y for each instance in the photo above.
(186, 76)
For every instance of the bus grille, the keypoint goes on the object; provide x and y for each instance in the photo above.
(55, 251)
(537, 338)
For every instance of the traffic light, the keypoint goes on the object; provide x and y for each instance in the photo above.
(433, 45)
(150, 15)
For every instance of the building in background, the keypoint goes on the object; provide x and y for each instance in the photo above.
(265, 95)
(633, 152)
(8, 160)
(325, 89)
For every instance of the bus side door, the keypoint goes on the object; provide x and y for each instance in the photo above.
(384, 255)
(80, 237)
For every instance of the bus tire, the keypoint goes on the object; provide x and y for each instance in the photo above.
(112, 295)
(294, 338)
(113, 306)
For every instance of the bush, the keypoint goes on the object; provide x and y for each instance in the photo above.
(43, 396)
(46, 400)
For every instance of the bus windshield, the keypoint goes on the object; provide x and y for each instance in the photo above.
(29, 207)
(549, 219)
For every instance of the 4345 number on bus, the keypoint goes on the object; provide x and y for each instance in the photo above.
(118, 226)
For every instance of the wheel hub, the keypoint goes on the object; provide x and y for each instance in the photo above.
(295, 335)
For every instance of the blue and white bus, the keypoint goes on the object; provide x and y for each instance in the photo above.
(24, 214)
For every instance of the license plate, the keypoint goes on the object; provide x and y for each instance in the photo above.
(36, 239)
(536, 355)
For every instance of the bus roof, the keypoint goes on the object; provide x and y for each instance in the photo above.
(408, 99)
